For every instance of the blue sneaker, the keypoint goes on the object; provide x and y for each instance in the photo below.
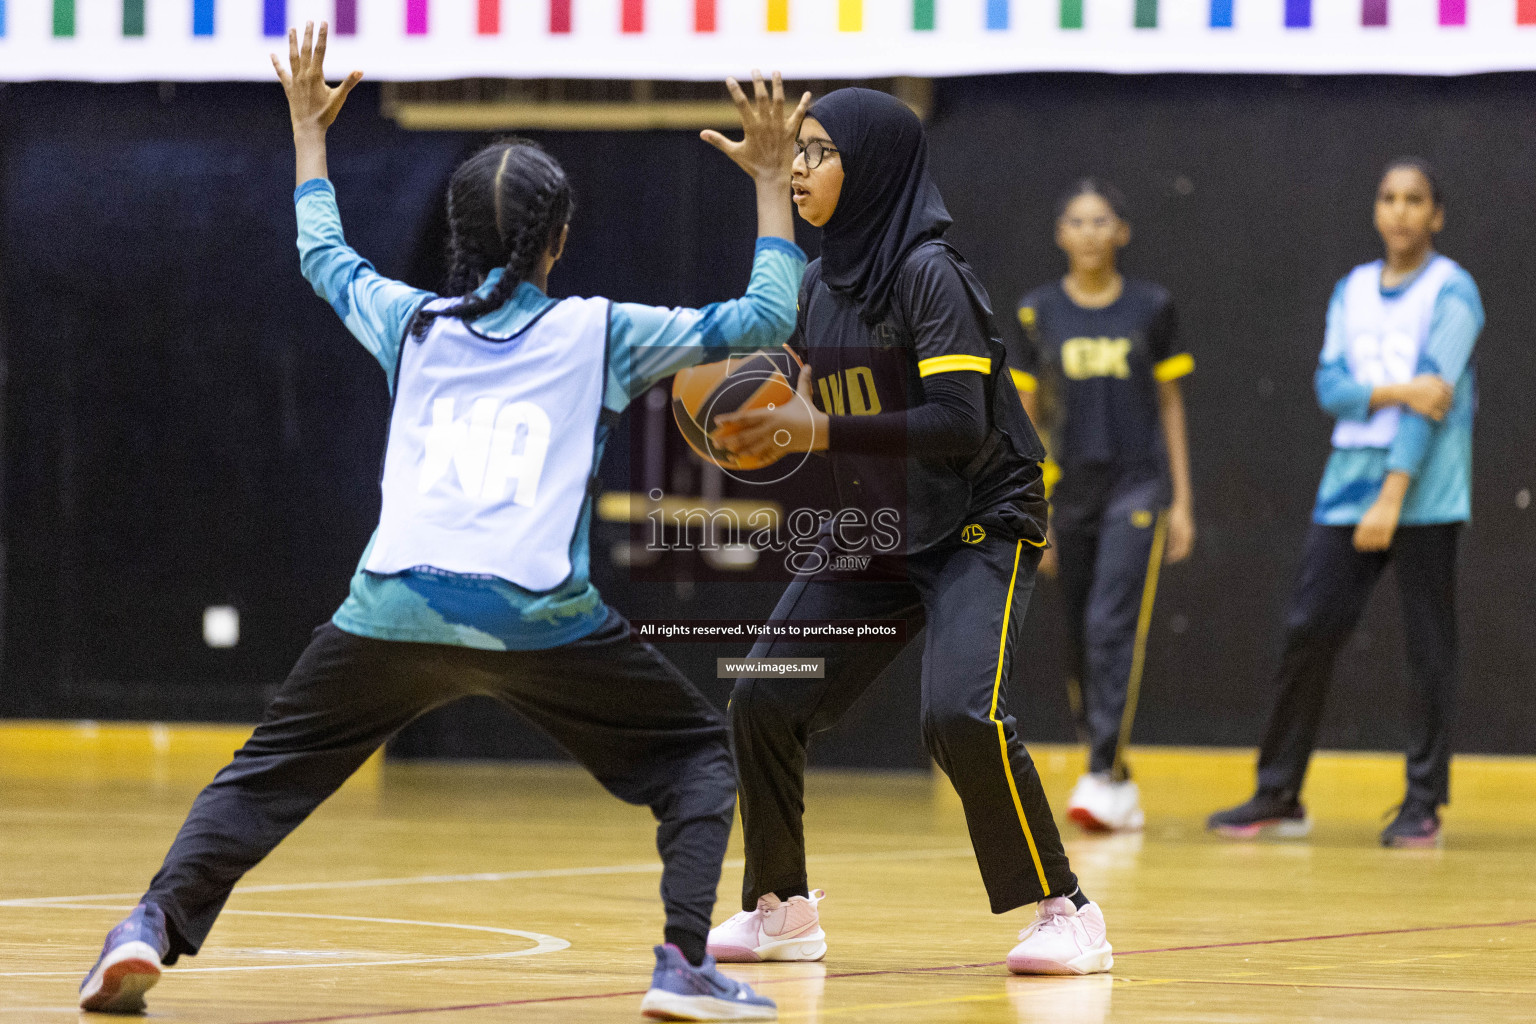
(681, 991)
(129, 965)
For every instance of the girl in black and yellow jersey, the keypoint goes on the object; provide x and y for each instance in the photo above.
(906, 392)
(1106, 349)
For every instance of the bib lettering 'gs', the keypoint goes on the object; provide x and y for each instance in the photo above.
(1386, 337)
(491, 447)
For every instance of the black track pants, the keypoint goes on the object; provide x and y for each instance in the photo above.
(1336, 581)
(1109, 545)
(616, 705)
(972, 599)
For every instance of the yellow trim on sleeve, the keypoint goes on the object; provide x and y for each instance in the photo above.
(1024, 381)
(1050, 472)
(1174, 367)
(949, 364)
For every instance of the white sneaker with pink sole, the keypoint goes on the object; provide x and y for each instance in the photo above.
(785, 930)
(1063, 940)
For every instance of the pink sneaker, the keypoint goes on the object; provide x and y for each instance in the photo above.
(1063, 940)
(777, 930)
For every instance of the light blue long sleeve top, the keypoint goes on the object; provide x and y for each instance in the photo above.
(1438, 456)
(646, 344)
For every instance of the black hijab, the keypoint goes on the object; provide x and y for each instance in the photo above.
(888, 206)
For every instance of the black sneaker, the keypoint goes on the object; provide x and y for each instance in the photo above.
(1416, 825)
(1275, 811)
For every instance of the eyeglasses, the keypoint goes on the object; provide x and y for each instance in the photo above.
(814, 152)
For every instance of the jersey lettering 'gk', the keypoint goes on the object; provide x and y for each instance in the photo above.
(1082, 358)
(489, 450)
(851, 393)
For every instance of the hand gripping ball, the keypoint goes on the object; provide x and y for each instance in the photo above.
(758, 380)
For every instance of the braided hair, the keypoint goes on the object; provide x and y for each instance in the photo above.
(507, 205)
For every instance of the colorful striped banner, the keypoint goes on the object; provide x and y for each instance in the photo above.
(997, 15)
(778, 15)
(274, 17)
(850, 15)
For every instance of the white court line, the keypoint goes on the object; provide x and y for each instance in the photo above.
(498, 876)
(543, 944)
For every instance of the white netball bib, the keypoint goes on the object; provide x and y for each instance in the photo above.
(1386, 336)
(491, 447)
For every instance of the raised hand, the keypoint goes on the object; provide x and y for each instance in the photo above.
(311, 103)
(767, 147)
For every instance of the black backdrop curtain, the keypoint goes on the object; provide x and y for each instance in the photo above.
(186, 424)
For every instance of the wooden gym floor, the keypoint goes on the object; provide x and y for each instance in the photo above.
(467, 894)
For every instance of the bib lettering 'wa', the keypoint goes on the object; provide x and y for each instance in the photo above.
(1386, 337)
(491, 447)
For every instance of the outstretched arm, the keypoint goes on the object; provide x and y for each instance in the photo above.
(375, 309)
(312, 105)
(766, 150)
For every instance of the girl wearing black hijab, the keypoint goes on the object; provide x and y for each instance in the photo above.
(938, 479)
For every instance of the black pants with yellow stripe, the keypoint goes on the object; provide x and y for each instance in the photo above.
(972, 599)
(1110, 527)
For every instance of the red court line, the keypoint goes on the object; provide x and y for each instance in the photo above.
(379, 1014)
(1340, 935)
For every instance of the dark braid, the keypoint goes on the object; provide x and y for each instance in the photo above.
(507, 205)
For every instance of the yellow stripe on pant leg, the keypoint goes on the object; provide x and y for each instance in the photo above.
(1002, 736)
(1139, 651)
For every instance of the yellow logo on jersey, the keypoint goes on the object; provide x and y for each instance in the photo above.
(1082, 358)
(973, 534)
(1141, 519)
(850, 393)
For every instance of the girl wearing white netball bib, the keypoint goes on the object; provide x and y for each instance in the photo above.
(476, 580)
(1397, 374)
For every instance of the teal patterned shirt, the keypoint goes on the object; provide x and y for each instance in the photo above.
(646, 344)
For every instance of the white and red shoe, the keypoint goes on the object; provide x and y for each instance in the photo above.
(1099, 804)
(1063, 940)
(786, 930)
